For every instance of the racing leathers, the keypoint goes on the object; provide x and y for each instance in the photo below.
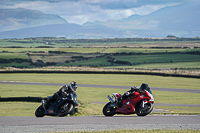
(128, 94)
(65, 91)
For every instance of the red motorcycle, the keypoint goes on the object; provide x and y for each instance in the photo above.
(140, 103)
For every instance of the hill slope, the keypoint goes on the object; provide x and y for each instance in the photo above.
(13, 19)
(63, 30)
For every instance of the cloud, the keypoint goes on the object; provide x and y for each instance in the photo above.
(127, 4)
(81, 11)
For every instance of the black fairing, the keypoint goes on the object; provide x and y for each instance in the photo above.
(53, 108)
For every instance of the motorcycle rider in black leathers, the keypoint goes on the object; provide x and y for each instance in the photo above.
(144, 87)
(65, 91)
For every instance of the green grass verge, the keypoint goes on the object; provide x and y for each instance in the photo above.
(184, 110)
(28, 109)
(106, 79)
(18, 108)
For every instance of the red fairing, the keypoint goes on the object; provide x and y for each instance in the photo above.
(136, 93)
(148, 94)
(129, 103)
(136, 102)
(151, 100)
(127, 109)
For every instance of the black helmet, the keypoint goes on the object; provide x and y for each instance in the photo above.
(144, 87)
(73, 86)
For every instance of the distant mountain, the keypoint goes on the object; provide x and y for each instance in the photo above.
(13, 19)
(180, 20)
(180, 17)
(64, 30)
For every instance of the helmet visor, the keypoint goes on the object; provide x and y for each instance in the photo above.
(75, 87)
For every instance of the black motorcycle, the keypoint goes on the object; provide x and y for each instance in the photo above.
(61, 107)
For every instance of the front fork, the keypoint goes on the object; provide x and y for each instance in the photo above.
(43, 104)
(113, 104)
(143, 103)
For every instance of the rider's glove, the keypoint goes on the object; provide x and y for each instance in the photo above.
(135, 88)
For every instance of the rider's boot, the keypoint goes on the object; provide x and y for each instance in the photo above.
(48, 101)
(120, 102)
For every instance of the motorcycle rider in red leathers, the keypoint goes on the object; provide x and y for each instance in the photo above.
(135, 91)
(65, 91)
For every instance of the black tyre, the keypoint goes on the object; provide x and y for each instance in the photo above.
(109, 110)
(39, 111)
(65, 109)
(148, 107)
(74, 110)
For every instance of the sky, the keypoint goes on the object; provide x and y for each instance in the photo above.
(81, 11)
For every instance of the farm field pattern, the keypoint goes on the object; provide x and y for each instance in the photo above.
(148, 54)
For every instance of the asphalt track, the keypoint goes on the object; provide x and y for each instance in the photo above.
(10, 124)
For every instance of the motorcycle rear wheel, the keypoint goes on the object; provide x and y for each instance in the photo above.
(148, 107)
(39, 111)
(109, 111)
(65, 109)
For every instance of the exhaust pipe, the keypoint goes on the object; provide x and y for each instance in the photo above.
(110, 99)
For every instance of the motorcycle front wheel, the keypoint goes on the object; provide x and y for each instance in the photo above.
(148, 107)
(65, 109)
(39, 111)
(109, 110)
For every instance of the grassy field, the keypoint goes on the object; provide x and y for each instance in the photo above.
(46, 50)
(26, 50)
(88, 95)
(140, 53)
(139, 131)
(14, 64)
(100, 50)
(153, 61)
(13, 56)
(62, 58)
(143, 61)
(62, 42)
(97, 62)
(147, 50)
(169, 65)
(106, 79)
